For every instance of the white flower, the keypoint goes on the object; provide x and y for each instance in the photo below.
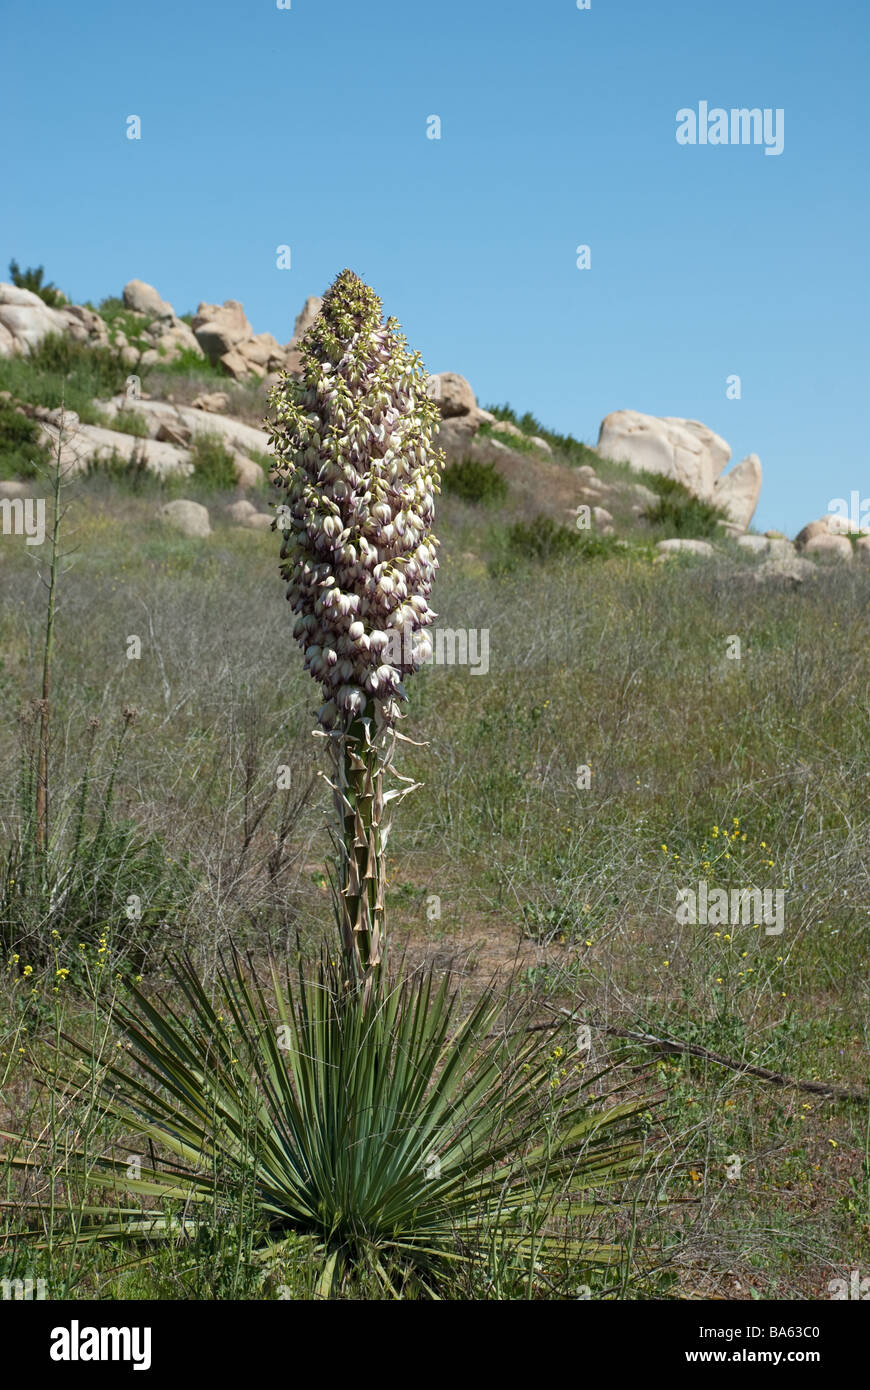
(353, 449)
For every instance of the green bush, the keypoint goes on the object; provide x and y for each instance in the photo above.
(543, 540)
(99, 876)
(129, 421)
(118, 318)
(679, 512)
(213, 462)
(474, 481)
(20, 452)
(31, 279)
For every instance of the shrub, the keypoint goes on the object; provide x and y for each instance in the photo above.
(80, 884)
(189, 363)
(474, 481)
(213, 463)
(129, 421)
(118, 318)
(31, 279)
(543, 539)
(384, 1131)
(679, 512)
(20, 451)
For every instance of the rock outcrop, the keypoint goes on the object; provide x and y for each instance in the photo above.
(226, 337)
(25, 320)
(687, 451)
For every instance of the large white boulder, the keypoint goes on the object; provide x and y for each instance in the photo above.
(682, 449)
(27, 319)
(687, 451)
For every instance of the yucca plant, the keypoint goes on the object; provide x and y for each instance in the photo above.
(397, 1138)
(356, 1109)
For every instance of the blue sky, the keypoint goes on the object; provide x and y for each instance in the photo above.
(307, 127)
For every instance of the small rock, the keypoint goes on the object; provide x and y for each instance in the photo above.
(601, 516)
(812, 528)
(823, 543)
(13, 488)
(676, 544)
(216, 402)
(190, 518)
(248, 473)
(759, 545)
(238, 511)
(790, 570)
(258, 521)
(66, 418)
(644, 495)
(238, 366)
(170, 433)
(540, 443)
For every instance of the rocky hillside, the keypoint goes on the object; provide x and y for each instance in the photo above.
(184, 384)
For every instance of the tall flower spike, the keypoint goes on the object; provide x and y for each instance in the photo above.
(353, 450)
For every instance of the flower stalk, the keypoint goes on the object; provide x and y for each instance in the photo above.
(354, 453)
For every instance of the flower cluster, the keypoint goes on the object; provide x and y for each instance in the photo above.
(353, 448)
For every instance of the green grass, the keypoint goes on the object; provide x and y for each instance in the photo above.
(617, 665)
(129, 421)
(62, 370)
